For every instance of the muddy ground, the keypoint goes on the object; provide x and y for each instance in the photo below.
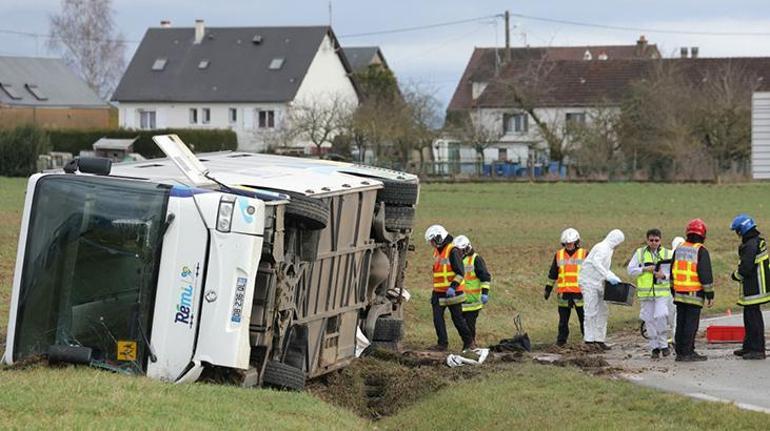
(382, 383)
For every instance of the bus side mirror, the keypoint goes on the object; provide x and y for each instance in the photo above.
(89, 165)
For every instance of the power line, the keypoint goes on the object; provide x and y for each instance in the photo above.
(46, 36)
(640, 29)
(420, 27)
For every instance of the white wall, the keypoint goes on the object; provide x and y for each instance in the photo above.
(760, 135)
(326, 77)
(177, 115)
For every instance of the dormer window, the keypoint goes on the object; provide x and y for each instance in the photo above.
(160, 64)
(587, 55)
(35, 90)
(276, 64)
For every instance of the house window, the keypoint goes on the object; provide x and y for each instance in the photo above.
(193, 115)
(205, 115)
(266, 119)
(233, 115)
(276, 64)
(146, 119)
(35, 90)
(502, 154)
(159, 64)
(515, 123)
(573, 118)
(10, 91)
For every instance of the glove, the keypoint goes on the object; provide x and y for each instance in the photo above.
(613, 279)
(547, 292)
(450, 292)
(484, 298)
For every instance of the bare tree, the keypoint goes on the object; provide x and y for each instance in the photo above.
(85, 33)
(597, 146)
(471, 129)
(423, 113)
(319, 120)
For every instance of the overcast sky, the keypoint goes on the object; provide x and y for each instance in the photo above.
(434, 58)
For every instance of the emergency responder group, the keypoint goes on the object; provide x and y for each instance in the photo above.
(672, 286)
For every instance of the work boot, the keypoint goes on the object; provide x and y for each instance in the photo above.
(666, 352)
(754, 355)
(698, 357)
(683, 358)
(655, 354)
(603, 346)
(561, 343)
(739, 352)
(470, 346)
(438, 348)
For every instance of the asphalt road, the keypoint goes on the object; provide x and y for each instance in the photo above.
(724, 377)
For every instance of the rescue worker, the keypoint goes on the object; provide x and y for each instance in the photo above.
(477, 283)
(564, 271)
(653, 288)
(594, 272)
(448, 287)
(753, 270)
(692, 286)
(676, 242)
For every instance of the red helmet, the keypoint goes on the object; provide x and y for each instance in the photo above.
(696, 226)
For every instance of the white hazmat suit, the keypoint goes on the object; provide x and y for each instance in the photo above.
(593, 273)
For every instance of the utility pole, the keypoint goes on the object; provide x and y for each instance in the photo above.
(507, 37)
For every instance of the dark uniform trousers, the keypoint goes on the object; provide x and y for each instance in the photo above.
(754, 341)
(687, 321)
(456, 311)
(564, 315)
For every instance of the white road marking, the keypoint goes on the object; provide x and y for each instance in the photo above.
(744, 406)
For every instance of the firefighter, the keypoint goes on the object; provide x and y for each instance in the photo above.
(753, 270)
(653, 288)
(564, 271)
(477, 282)
(692, 286)
(448, 287)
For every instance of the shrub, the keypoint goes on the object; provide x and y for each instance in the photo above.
(201, 141)
(20, 148)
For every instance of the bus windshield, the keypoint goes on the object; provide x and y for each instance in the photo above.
(90, 266)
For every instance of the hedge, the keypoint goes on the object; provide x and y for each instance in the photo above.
(20, 148)
(201, 141)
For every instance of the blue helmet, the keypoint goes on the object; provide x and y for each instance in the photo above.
(742, 223)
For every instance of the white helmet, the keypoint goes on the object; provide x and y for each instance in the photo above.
(462, 242)
(676, 242)
(570, 235)
(436, 232)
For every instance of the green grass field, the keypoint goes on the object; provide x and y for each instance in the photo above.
(516, 228)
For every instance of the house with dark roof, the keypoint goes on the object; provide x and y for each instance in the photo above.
(247, 79)
(576, 79)
(361, 57)
(45, 92)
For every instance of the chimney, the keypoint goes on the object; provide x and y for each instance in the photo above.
(200, 29)
(683, 52)
(165, 24)
(641, 46)
(694, 52)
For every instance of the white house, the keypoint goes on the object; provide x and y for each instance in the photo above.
(574, 81)
(247, 79)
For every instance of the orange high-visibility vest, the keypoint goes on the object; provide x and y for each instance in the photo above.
(569, 268)
(443, 275)
(685, 268)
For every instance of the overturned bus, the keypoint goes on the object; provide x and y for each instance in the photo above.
(254, 268)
